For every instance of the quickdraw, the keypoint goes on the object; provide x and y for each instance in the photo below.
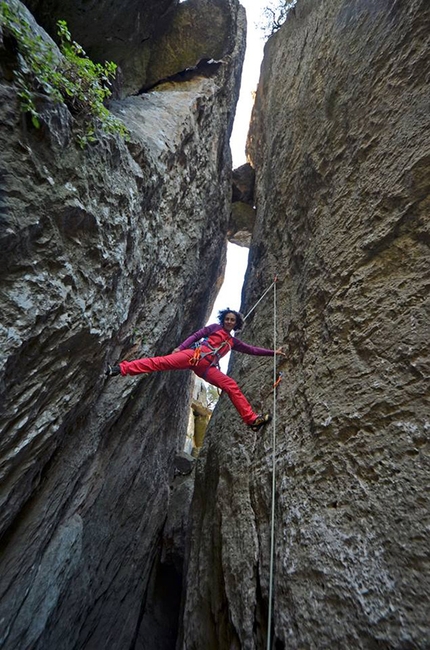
(194, 360)
(279, 379)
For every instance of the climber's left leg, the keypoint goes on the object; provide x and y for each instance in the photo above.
(214, 376)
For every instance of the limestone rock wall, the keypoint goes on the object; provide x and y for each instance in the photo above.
(340, 142)
(113, 252)
(120, 31)
(149, 40)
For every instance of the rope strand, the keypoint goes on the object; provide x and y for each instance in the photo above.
(276, 381)
(258, 301)
(272, 531)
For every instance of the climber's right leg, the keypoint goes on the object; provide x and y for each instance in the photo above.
(175, 361)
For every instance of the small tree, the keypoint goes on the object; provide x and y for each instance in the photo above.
(70, 77)
(212, 396)
(275, 14)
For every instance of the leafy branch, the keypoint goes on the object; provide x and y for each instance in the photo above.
(275, 14)
(84, 86)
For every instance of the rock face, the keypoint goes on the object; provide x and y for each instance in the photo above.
(242, 218)
(120, 31)
(112, 252)
(150, 40)
(340, 142)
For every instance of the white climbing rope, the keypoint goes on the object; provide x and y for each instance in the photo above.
(272, 525)
(258, 301)
(272, 529)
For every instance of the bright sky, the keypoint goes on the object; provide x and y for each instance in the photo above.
(250, 76)
(237, 257)
(230, 292)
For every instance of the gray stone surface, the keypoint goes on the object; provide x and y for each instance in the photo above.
(112, 252)
(340, 144)
(123, 32)
(242, 218)
(150, 40)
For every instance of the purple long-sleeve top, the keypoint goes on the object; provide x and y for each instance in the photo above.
(216, 334)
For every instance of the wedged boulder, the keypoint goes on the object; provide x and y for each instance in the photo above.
(241, 224)
(243, 184)
(198, 30)
(242, 217)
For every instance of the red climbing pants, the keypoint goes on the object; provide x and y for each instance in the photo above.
(181, 361)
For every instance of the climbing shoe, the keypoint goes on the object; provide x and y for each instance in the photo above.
(260, 421)
(112, 371)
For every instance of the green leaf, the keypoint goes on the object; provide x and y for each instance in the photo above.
(75, 80)
(35, 121)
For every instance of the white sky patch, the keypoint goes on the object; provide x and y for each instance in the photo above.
(231, 290)
(237, 257)
(250, 76)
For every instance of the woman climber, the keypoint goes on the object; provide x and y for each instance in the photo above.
(201, 353)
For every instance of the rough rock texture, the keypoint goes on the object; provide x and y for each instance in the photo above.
(150, 40)
(116, 251)
(119, 31)
(340, 141)
(242, 218)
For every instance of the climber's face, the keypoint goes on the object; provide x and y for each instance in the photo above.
(229, 321)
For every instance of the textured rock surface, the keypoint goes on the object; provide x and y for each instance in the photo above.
(120, 31)
(112, 252)
(242, 218)
(150, 40)
(340, 143)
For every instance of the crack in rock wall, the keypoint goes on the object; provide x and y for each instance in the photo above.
(109, 253)
(340, 145)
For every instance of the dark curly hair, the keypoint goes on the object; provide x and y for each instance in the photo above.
(239, 318)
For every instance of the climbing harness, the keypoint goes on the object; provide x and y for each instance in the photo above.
(199, 355)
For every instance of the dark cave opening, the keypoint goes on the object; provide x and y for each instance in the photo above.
(159, 626)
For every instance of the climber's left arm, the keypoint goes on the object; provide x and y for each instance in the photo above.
(240, 346)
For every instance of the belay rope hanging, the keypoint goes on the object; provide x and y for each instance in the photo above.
(272, 529)
(276, 381)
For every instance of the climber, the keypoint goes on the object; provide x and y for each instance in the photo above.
(201, 353)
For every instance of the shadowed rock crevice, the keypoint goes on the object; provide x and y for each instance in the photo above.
(158, 627)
